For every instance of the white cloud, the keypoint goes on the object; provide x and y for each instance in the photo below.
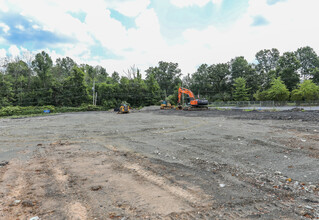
(130, 8)
(292, 24)
(3, 6)
(200, 3)
(36, 27)
(14, 51)
(285, 31)
(20, 27)
(3, 53)
(217, 2)
(4, 27)
(53, 17)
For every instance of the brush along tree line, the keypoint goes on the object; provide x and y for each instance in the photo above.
(38, 81)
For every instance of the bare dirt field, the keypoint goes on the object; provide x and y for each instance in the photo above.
(161, 164)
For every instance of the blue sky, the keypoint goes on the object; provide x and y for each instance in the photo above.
(118, 34)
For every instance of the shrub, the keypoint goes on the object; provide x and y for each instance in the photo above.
(31, 110)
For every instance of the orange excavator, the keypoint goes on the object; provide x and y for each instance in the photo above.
(192, 104)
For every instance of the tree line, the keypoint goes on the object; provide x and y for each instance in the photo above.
(37, 80)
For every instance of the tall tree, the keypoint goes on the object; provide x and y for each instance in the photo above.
(138, 93)
(153, 90)
(278, 91)
(5, 91)
(218, 76)
(75, 89)
(315, 75)
(115, 77)
(64, 67)
(266, 66)
(101, 74)
(267, 59)
(109, 94)
(187, 81)
(308, 61)
(288, 64)
(240, 90)
(167, 75)
(239, 67)
(42, 66)
(19, 75)
(200, 81)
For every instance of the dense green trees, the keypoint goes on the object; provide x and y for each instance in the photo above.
(277, 92)
(272, 76)
(288, 65)
(167, 75)
(240, 91)
(307, 91)
(308, 61)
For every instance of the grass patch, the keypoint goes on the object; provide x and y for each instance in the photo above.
(18, 111)
(249, 110)
(28, 116)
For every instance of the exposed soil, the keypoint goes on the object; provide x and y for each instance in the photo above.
(161, 164)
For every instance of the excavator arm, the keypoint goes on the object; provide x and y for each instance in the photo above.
(185, 91)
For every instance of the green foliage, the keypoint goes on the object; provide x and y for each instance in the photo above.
(277, 92)
(106, 97)
(63, 68)
(75, 89)
(38, 110)
(240, 90)
(5, 91)
(287, 69)
(167, 75)
(261, 95)
(307, 91)
(153, 89)
(267, 60)
(308, 60)
(42, 66)
(40, 82)
(200, 83)
(218, 80)
(17, 110)
(266, 66)
(315, 75)
(172, 99)
(239, 67)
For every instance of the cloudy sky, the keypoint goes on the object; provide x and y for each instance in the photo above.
(118, 34)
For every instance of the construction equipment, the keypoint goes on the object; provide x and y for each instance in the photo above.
(166, 105)
(124, 108)
(192, 104)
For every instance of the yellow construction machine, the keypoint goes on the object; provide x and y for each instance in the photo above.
(166, 105)
(124, 108)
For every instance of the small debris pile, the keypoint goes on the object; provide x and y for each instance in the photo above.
(4, 163)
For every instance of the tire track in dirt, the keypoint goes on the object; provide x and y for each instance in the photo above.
(137, 194)
(38, 187)
(72, 207)
(77, 211)
(163, 183)
(13, 187)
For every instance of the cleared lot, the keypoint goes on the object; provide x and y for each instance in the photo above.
(157, 164)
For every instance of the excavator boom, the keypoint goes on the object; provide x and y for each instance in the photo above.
(185, 91)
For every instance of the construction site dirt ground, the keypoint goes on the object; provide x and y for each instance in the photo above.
(161, 164)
